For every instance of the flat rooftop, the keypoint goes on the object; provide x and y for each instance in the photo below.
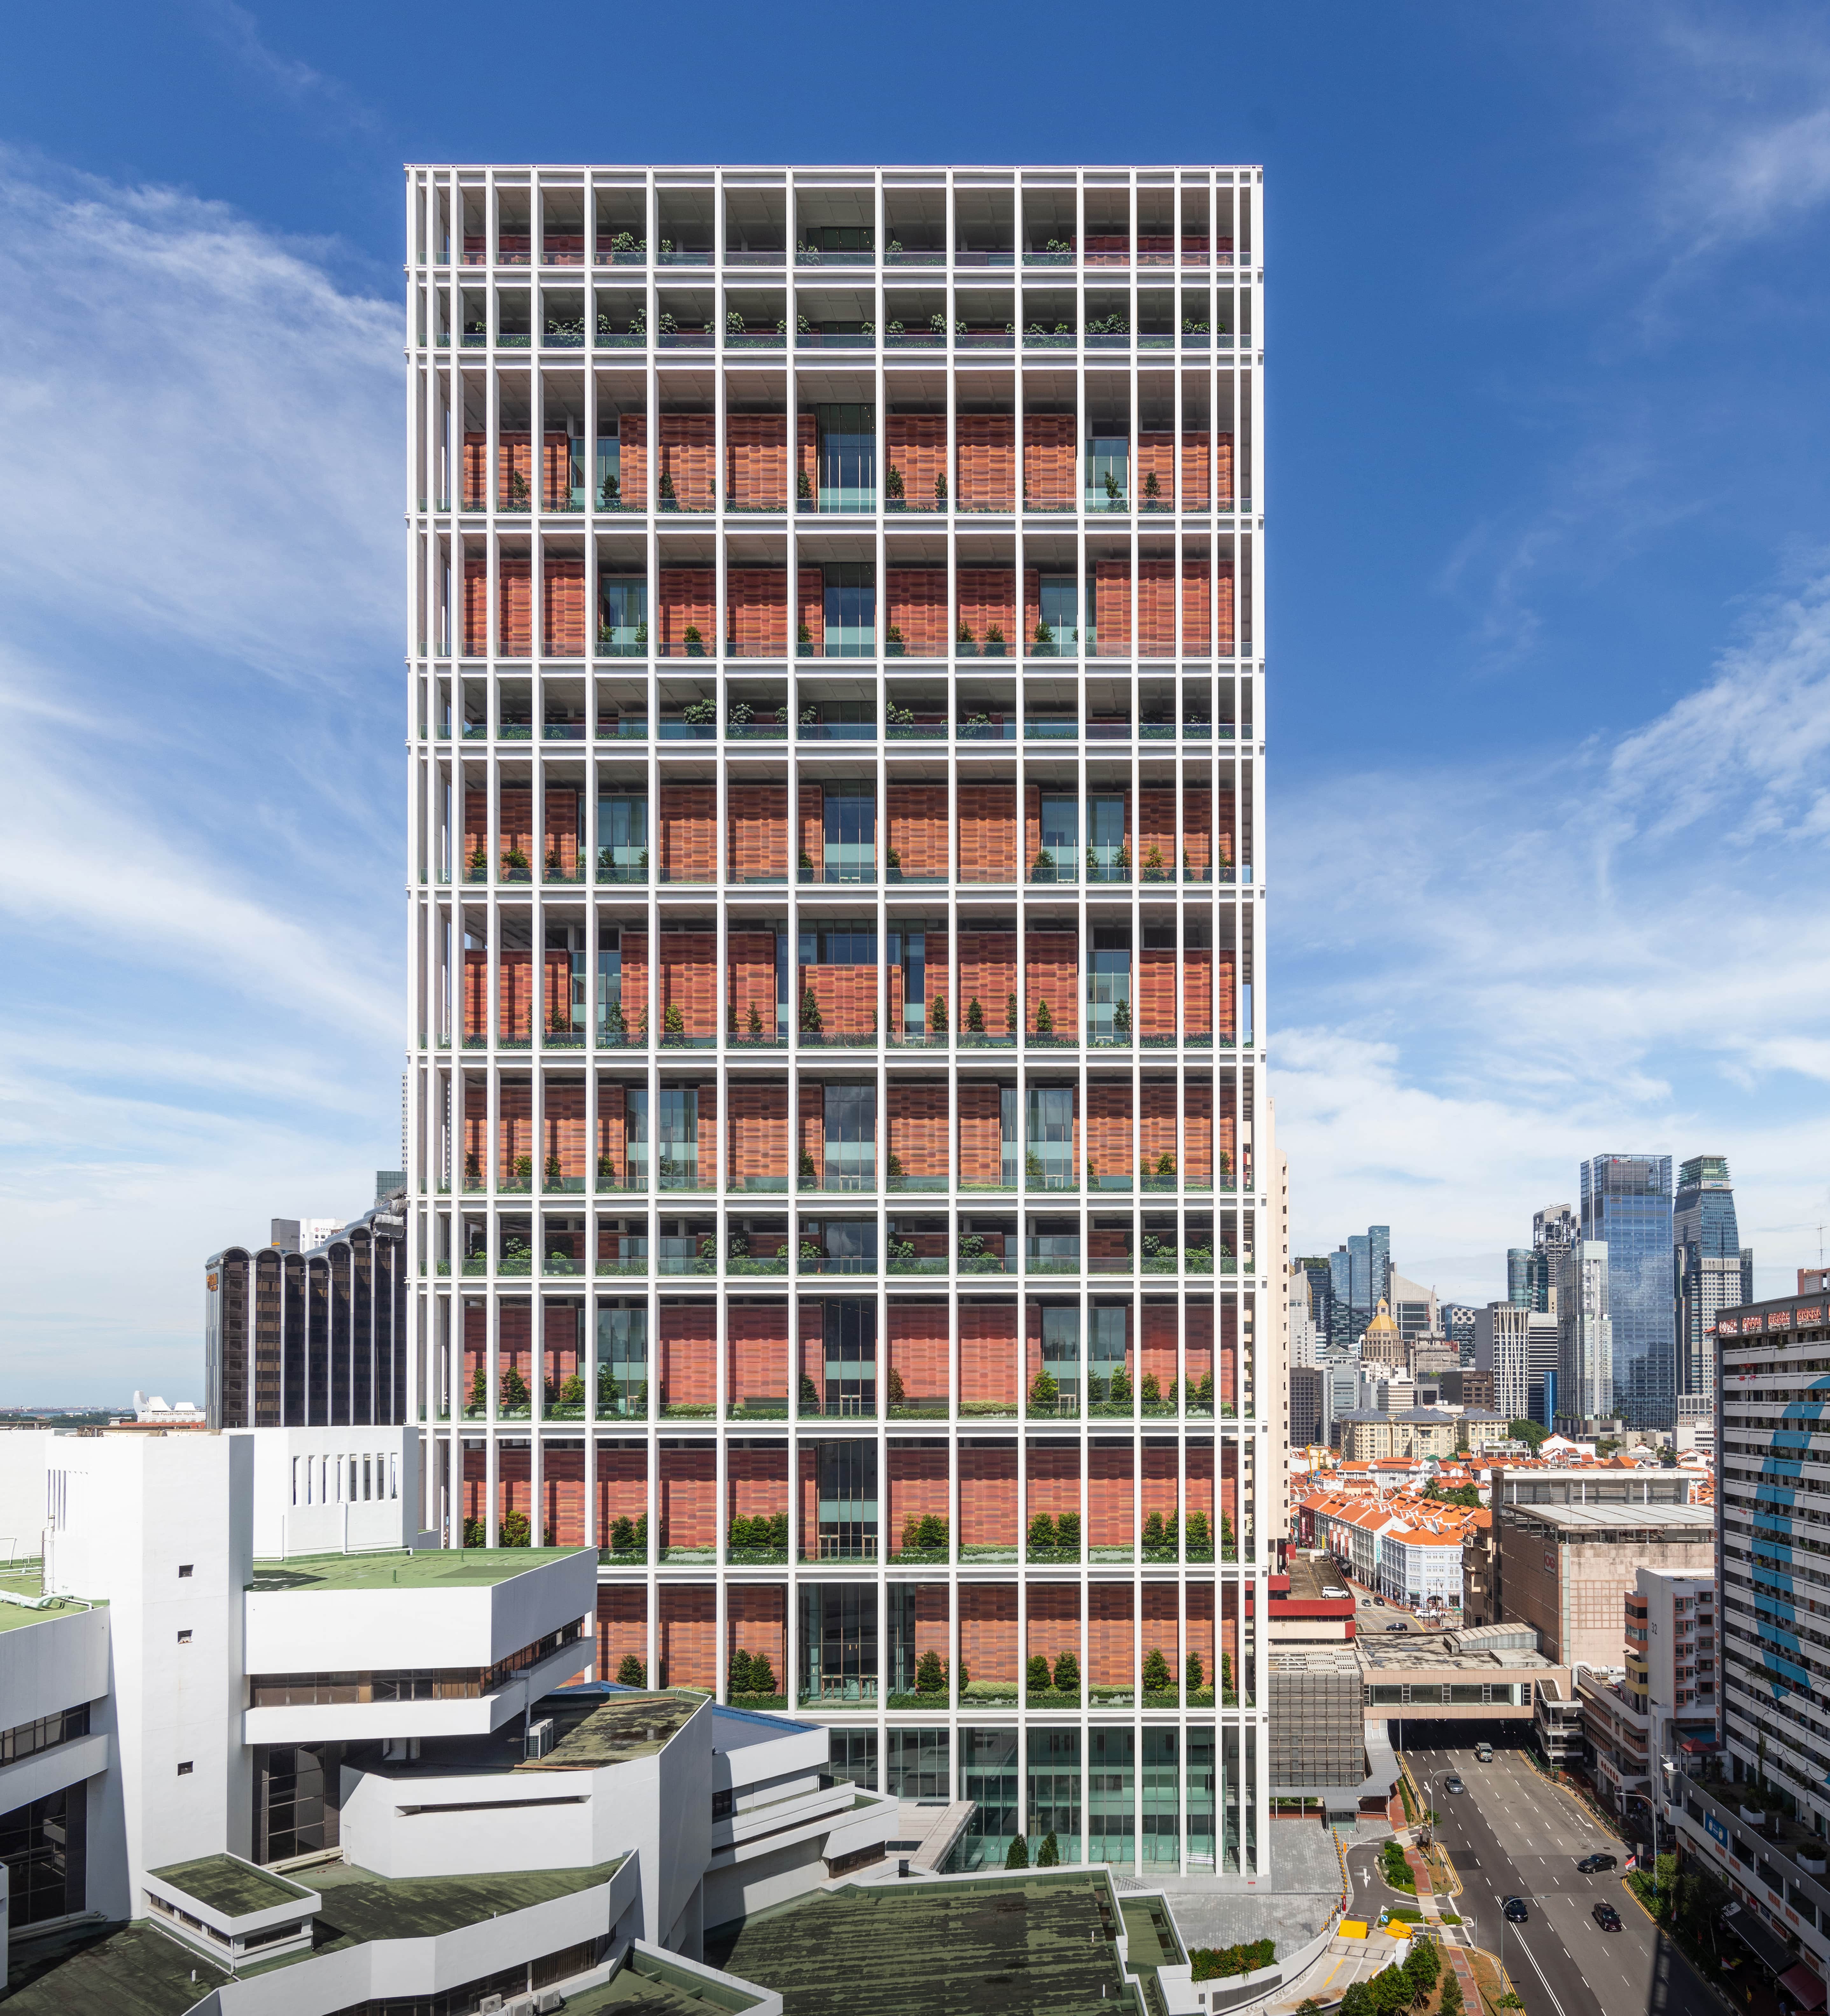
(1315, 1581)
(646, 1985)
(1411, 1654)
(1577, 1520)
(1045, 1944)
(137, 1970)
(28, 1579)
(430, 1568)
(591, 1730)
(236, 1889)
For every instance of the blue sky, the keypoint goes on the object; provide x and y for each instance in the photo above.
(1549, 635)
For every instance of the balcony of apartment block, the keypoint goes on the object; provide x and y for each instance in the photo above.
(835, 228)
(917, 1246)
(620, 227)
(836, 447)
(686, 228)
(619, 319)
(758, 1248)
(829, 1246)
(915, 710)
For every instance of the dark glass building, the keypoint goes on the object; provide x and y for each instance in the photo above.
(1626, 1205)
(1711, 1270)
(295, 1339)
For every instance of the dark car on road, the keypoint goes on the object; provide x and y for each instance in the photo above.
(1453, 1785)
(1397, 1627)
(1593, 1865)
(1516, 1914)
(1607, 1917)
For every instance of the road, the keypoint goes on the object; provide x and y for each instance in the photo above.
(1511, 1833)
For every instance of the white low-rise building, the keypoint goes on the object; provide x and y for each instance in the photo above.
(371, 1775)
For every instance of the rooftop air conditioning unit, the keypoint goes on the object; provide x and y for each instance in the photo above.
(540, 1738)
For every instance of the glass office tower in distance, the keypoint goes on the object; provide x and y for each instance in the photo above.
(1626, 1205)
(838, 1137)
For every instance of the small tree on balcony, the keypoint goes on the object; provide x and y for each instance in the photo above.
(1037, 1677)
(614, 1026)
(930, 1673)
(1194, 1673)
(940, 490)
(1067, 1671)
(1154, 870)
(993, 640)
(897, 1176)
(1048, 1854)
(667, 486)
(1151, 487)
(479, 1400)
(1017, 1855)
(701, 713)
(1121, 1017)
(740, 1682)
(1153, 1530)
(478, 867)
(893, 475)
(937, 1015)
(1044, 633)
(1044, 1020)
(1043, 1393)
(1118, 1387)
(1010, 1015)
(803, 487)
(631, 1672)
(673, 1022)
(1165, 1163)
(753, 1027)
(762, 1672)
(898, 1398)
(734, 322)
(933, 1533)
(514, 1395)
(1158, 1676)
(552, 1176)
(812, 1021)
(810, 1176)
(975, 1017)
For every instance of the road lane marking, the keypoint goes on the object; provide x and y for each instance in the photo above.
(1539, 1971)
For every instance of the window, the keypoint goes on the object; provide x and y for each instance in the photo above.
(185, 1571)
(851, 1137)
(848, 479)
(184, 1637)
(184, 1770)
(850, 847)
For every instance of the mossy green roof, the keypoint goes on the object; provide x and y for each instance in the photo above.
(28, 1579)
(625, 1727)
(431, 1568)
(646, 1985)
(236, 1889)
(133, 1970)
(1041, 1946)
(139, 1970)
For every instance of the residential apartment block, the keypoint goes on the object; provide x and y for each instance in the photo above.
(1754, 1812)
(839, 1185)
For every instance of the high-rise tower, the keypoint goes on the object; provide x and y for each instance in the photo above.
(836, 880)
(1710, 1270)
(1626, 1205)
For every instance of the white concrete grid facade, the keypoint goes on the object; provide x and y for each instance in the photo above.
(490, 334)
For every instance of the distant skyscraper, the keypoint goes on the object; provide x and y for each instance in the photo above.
(1553, 1230)
(1626, 1205)
(1362, 1273)
(1584, 1334)
(1521, 1285)
(1501, 1346)
(1541, 1388)
(1710, 1270)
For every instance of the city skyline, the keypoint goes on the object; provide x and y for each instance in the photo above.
(211, 270)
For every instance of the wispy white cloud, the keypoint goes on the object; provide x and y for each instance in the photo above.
(1509, 966)
(201, 430)
(238, 33)
(198, 552)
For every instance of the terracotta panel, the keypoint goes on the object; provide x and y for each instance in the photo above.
(689, 1496)
(1054, 1620)
(756, 459)
(918, 1487)
(757, 815)
(688, 1640)
(918, 828)
(1110, 1521)
(915, 445)
(688, 1352)
(987, 1497)
(917, 1128)
(987, 833)
(622, 1628)
(987, 1631)
(920, 1351)
(1111, 1635)
(987, 1352)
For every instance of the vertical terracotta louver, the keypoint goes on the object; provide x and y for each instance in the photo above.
(563, 607)
(756, 460)
(915, 445)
